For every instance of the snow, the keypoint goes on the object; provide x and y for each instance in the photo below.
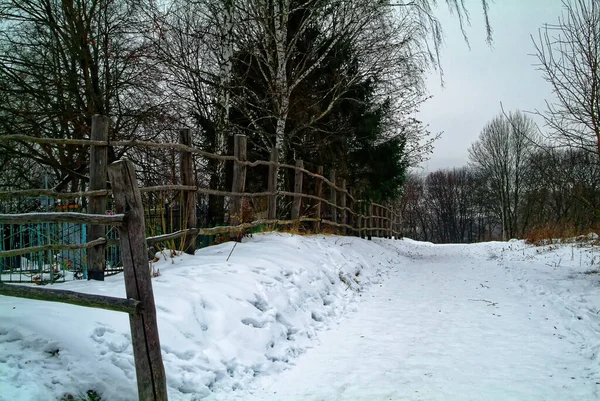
(330, 318)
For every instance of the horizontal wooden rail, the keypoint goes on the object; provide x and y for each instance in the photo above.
(130, 306)
(224, 229)
(208, 191)
(51, 141)
(42, 248)
(62, 217)
(161, 188)
(51, 193)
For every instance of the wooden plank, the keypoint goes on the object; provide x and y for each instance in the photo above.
(186, 165)
(319, 196)
(96, 256)
(61, 217)
(130, 306)
(272, 186)
(238, 184)
(297, 204)
(333, 197)
(149, 366)
(41, 248)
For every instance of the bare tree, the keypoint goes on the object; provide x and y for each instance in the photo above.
(569, 59)
(61, 62)
(501, 153)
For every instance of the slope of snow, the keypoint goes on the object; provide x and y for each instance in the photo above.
(221, 323)
(330, 318)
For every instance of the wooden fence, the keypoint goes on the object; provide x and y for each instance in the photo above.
(348, 215)
(139, 303)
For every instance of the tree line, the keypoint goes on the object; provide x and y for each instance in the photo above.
(335, 83)
(512, 187)
(525, 181)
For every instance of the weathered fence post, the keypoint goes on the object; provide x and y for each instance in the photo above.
(273, 169)
(239, 182)
(351, 216)
(381, 213)
(343, 206)
(390, 217)
(382, 219)
(96, 257)
(296, 206)
(370, 222)
(189, 197)
(333, 197)
(382, 231)
(377, 212)
(319, 193)
(149, 368)
(361, 220)
(388, 225)
(392, 223)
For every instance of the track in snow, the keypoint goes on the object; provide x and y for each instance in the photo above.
(452, 324)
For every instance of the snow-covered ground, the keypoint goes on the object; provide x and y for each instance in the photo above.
(330, 318)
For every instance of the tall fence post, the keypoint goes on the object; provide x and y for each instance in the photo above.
(189, 197)
(273, 169)
(96, 257)
(296, 206)
(149, 368)
(370, 221)
(319, 194)
(333, 197)
(343, 206)
(238, 183)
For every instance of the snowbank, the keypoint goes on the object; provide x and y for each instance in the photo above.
(221, 322)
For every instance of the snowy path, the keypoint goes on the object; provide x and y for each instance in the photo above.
(444, 328)
(277, 321)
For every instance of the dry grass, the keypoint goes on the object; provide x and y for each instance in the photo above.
(558, 233)
(297, 229)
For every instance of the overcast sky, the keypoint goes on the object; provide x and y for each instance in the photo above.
(477, 80)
